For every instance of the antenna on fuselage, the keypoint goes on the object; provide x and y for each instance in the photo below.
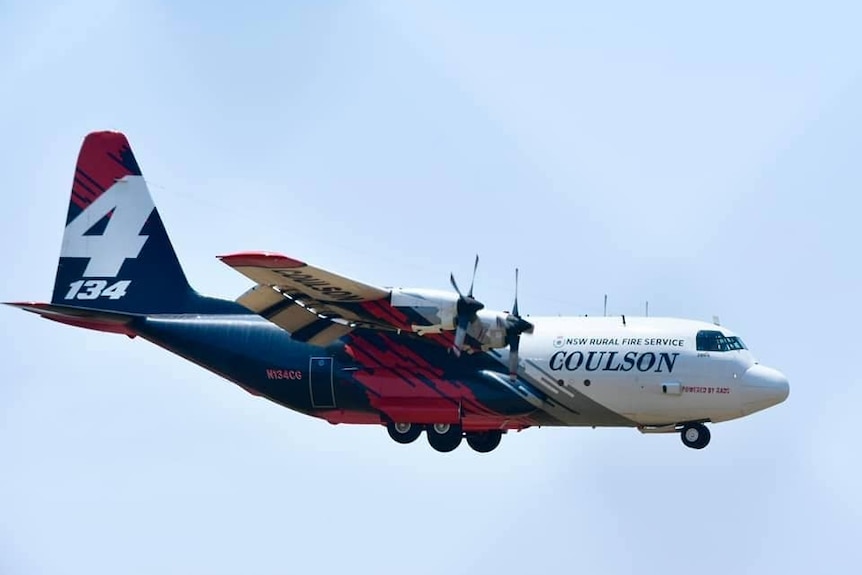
(715, 320)
(646, 309)
(606, 305)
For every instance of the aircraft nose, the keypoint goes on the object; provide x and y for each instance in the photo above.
(763, 387)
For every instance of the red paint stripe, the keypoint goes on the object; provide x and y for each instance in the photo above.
(406, 376)
(404, 363)
(420, 410)
(91, 184)
(432, 377)
(83, 189)
(116, 158)
(383, 311)
(347, 416)
(407, 357)
(384, 359)
(447, 387)
(362, 347)
(400, 315)
(99, 162)
(377, 361)
(79, 202)
(411, 355)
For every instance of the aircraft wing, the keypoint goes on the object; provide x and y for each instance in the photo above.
(313, 304)
(300, 279)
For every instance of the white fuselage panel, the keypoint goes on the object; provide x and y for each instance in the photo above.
(647, 370)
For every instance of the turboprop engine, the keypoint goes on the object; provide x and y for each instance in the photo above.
(440, 310)
(467, 316)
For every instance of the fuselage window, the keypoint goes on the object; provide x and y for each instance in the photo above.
(716, 341)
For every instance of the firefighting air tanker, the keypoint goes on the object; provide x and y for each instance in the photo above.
(412, 360)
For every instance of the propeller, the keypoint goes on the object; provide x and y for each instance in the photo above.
(515, 326)
(467, 307)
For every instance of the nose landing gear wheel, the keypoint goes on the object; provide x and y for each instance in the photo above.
(695, 435)
(444, 437)
(484, 441)
(404, 432)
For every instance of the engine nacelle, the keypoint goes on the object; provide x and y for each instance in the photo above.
(489, 329)
(440, 310)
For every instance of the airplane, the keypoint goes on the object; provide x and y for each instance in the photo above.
(412, 360)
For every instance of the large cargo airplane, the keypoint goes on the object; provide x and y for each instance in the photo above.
(412, 360)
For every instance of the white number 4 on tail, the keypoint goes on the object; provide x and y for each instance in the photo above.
(127, 205)
(93, 289)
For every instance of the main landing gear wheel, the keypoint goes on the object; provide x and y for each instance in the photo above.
(695, 435)
(404, 432)
(484, 441)
(444, 437)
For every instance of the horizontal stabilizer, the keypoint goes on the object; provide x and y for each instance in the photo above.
(98, 320)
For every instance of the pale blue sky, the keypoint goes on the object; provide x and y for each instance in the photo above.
(701, 158)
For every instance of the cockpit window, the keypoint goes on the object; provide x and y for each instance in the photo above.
(716, 341)
(734, 342)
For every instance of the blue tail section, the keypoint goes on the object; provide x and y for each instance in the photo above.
(116, 255)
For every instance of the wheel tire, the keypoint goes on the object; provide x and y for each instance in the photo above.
(695, 435)
(444, 437)
(484, 441)
(404, 432)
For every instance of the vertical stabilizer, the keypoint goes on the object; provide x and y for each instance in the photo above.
(116, 255)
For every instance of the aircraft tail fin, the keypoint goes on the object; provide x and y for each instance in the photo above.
(116, 255)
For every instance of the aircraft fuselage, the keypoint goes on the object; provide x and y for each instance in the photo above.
(576, 371)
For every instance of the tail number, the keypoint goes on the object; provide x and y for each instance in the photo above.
(94, 289)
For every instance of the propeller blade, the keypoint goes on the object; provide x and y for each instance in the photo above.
(515, 307)
(514, 344)
(460, 334)
(473, 280)
(455, 285)
(467, 307)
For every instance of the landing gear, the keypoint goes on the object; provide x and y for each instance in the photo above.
(444, 437)
(404, 432)
(695, 435)
(484, 441)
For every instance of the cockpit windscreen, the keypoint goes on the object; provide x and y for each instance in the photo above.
(708, 340)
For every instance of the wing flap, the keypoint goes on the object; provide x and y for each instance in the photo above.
(287, 313)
